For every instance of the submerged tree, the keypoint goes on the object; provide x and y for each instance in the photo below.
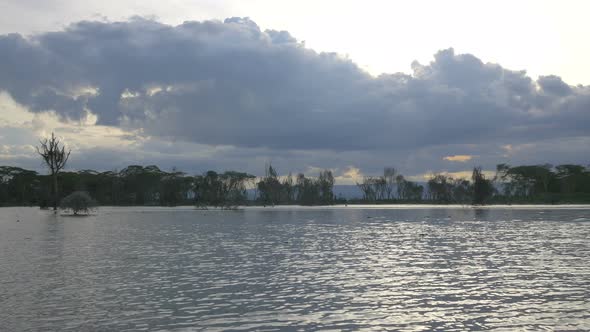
(78, 202)
(55, 158)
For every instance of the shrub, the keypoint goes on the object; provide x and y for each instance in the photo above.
(78, 202)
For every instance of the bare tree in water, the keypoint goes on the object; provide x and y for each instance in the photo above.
(55, 157)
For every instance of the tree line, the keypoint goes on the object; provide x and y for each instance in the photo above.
(568, 183)
(149, 185)
(545, 183)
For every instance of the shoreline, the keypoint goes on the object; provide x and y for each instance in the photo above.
(342, 207)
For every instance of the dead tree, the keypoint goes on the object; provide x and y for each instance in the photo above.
(55, 158)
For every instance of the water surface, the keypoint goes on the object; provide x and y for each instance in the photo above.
(411, 268)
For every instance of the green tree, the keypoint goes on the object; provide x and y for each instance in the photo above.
(269, 187)
(482, 187)
(326, 187)
(288, 189)
(226, 190)
(308, 190)
(571, 177)
(440, 188)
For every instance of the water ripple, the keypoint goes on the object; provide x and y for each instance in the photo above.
(303, 269)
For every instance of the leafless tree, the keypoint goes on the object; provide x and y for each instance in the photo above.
(389, 174)
(55, 158)
(380, 187)
(401, 184)
(368, 188)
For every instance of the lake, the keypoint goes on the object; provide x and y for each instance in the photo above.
(409, 268)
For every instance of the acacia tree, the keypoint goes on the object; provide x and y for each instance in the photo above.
(55, 157)
(226, 190)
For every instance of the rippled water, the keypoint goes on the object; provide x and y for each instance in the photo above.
(295, 269)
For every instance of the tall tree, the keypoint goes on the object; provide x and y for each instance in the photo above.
(289, 189)
(308, 190)
(270, 187)
(461, 191)
(326, 184)
(482, 187)
(55, 157)
(401, 182)
(389, 173)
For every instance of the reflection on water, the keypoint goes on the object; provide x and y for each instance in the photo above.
(270, 269)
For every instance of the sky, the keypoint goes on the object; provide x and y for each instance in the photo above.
(423, 86)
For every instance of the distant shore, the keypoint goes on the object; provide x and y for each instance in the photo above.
(342, 206)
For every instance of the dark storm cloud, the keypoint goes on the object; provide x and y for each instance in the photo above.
(554, 85)
(229, 83)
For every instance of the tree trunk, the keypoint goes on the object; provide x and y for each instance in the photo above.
(55, 192)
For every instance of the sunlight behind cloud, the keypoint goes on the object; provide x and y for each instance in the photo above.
(78, 135)
(455, 175)
(459, 158)
(350, 175)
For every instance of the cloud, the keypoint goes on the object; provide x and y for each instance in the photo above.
(455, 175)
(350, 175)
(236, 94)
(459, 158)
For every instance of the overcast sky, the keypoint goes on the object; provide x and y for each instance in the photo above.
(350, 86)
